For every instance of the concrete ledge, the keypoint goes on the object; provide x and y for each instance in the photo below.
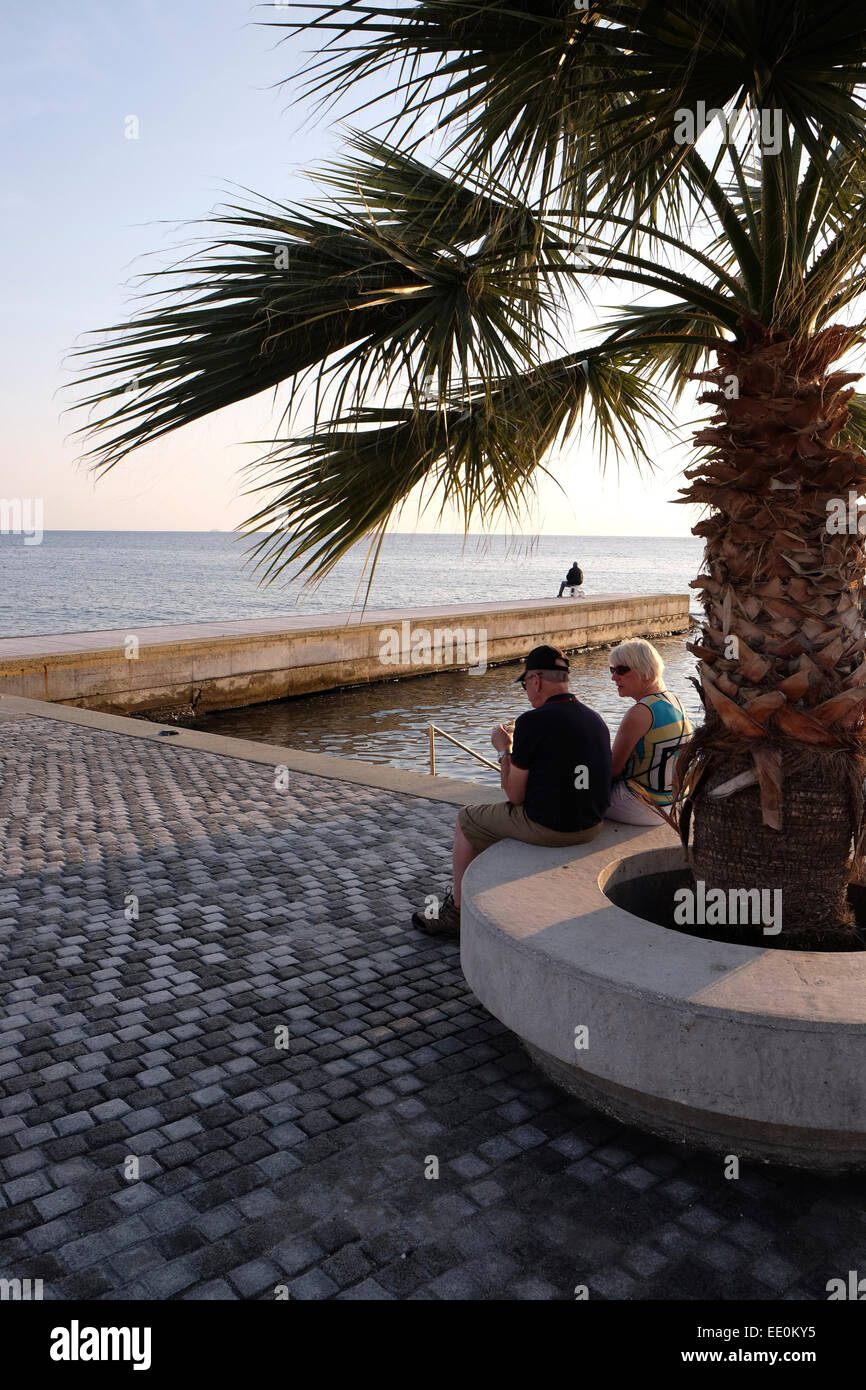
(352, 770)
(737, 1049)
(224, 665)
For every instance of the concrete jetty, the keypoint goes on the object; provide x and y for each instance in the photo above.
(225, 665)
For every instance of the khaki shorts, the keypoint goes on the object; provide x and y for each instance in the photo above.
(484, 826)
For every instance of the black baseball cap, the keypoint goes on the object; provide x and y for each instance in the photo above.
(544, 659)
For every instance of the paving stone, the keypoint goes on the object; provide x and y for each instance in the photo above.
(571, 1145)
(219, 1222)
(26, 1188)
(699, 1219)
(295, 1255)
(637, 1177)
(681, 1191)
(72, 1124)
(614, 1284)
(260, 1202)
(347, 1266)
(88, 1284)
(135, 1261)
(748, 1234)
(644, 1261)
(36, 1134)
(285, 1135)
(721, 1255)
(586, 1170)
(674, 1241)
(456, 1284)
(499, 1149)
(168, 1279)
(17, 1165)
(215, 1289)
(255, 1277)
(534, 1290)
(54, 1204)
(775, 1273)
(154, 1076)
(110, 1109)
(483, 1193)
(313, 1285)
(169, 1214)
(468, 1166)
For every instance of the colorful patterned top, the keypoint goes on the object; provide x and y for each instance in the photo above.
(651, 764)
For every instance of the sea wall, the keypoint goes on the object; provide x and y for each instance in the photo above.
(224, 665)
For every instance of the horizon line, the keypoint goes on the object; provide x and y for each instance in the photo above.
(241, 535)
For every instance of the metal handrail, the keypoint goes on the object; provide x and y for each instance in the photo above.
(433, 729)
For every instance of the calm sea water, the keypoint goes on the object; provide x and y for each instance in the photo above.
(388, 722)
(76, 581)
(84, 580)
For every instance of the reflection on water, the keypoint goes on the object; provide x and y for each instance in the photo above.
(387, 722)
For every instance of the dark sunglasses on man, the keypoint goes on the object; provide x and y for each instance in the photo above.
(619, 670)
(540, 661)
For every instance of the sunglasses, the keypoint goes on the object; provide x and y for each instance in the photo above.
(619, 670)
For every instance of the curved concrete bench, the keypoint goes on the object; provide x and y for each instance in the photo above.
(743, 1050)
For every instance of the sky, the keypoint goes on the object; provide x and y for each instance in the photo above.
(121, 125)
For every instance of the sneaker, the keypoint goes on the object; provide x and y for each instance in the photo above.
(446, 924)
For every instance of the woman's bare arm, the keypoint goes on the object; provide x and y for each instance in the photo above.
(636, 722)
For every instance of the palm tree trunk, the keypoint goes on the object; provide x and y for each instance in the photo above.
(781, 656)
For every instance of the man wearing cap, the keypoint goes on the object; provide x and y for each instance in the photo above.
(556, 774)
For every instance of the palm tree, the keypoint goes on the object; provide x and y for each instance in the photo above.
(427, 304)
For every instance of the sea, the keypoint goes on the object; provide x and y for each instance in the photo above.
(78, 581)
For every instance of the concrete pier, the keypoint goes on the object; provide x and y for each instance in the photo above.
(224, 665)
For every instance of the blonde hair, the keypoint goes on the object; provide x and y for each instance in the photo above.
(641, 656)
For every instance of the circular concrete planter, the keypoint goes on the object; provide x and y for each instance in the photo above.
(755, 1052)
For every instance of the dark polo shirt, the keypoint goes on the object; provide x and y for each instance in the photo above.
(553, 743)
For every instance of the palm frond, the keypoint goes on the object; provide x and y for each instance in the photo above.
(853, 432)
(288, 294)
(329, 490)
(423, 205)
(558, 94)
(676, 339)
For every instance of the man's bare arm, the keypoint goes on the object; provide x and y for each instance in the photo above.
(513, 780)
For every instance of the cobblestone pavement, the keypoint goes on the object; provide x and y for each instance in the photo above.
(302, 1168)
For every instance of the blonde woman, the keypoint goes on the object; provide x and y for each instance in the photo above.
(648, 738)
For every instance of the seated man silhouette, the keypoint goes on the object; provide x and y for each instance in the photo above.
(572, 580)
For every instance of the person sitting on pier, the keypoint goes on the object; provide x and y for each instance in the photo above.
(572, 580)
(555, 771)
(649, 737)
